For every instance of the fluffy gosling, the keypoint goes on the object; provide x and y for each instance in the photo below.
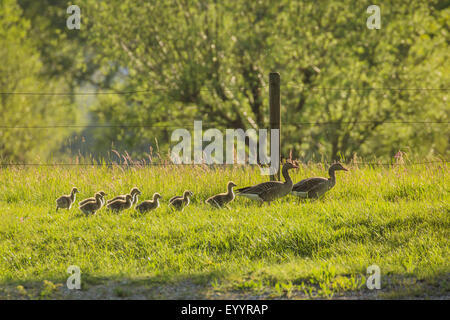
(221, 199)
(119, 205)
(180, 202)
(66, 201)
(91, 207)
(149, 205)
(135, 192)
(93, 199)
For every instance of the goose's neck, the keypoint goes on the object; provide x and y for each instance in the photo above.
(286, 176)
(230, 194)
(230, 191)
(72, 196)
(332, 174)
(332, 179)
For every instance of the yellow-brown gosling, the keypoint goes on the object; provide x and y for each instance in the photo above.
(119, 205)
(149, 205)
(221, 199)
(92, 199)
(135, 192)
(66, 201)
(180, 202)
(92, 207)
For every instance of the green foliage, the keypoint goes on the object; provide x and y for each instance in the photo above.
(211, 60)
(20, 71)
(63, 52)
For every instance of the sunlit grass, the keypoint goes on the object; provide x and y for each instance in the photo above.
(397, 218)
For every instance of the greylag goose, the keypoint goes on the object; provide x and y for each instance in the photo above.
(92, 207)
(221, 199)
(135, 192)
(66, 201)
(119, 205)
(93, 199)
(149, 205)
(314, 188)
(180, 202)
(271, 190)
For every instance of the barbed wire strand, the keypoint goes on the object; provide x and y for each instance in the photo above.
(151, 125)
(230, 88)
(201, 164)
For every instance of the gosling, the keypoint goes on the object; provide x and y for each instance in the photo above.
(120, 205)
(135, 192)
(92, 207)
(180, 202)
(222, 199)
(66, 201)
(93, 199)
(149, 205)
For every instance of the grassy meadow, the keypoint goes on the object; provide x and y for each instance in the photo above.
(395, 217)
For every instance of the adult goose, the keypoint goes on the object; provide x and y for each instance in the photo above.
(180, 202)
(221, 199)
(149, 204)
(135, 192)
(313, 188)
(119, 205)
(66, 201)
(93, 199)
(269, 191)
(92, 207)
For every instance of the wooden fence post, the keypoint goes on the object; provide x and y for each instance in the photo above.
(275, 113)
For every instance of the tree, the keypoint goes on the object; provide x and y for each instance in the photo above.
(210, 60)
(20, 72)
(335, 50)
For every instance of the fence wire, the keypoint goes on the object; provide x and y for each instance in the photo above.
(229, 88)
(137, 164)
(313, 89)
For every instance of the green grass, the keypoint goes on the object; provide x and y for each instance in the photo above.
(397, 218)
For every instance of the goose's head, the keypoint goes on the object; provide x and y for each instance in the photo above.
(231, 184)
(187, 194)
(157, 196)
(336, 167)
(135, 191)
(102, 193)
(74, 190)
(289, 165)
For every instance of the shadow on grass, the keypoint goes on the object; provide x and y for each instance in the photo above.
(204, 286)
